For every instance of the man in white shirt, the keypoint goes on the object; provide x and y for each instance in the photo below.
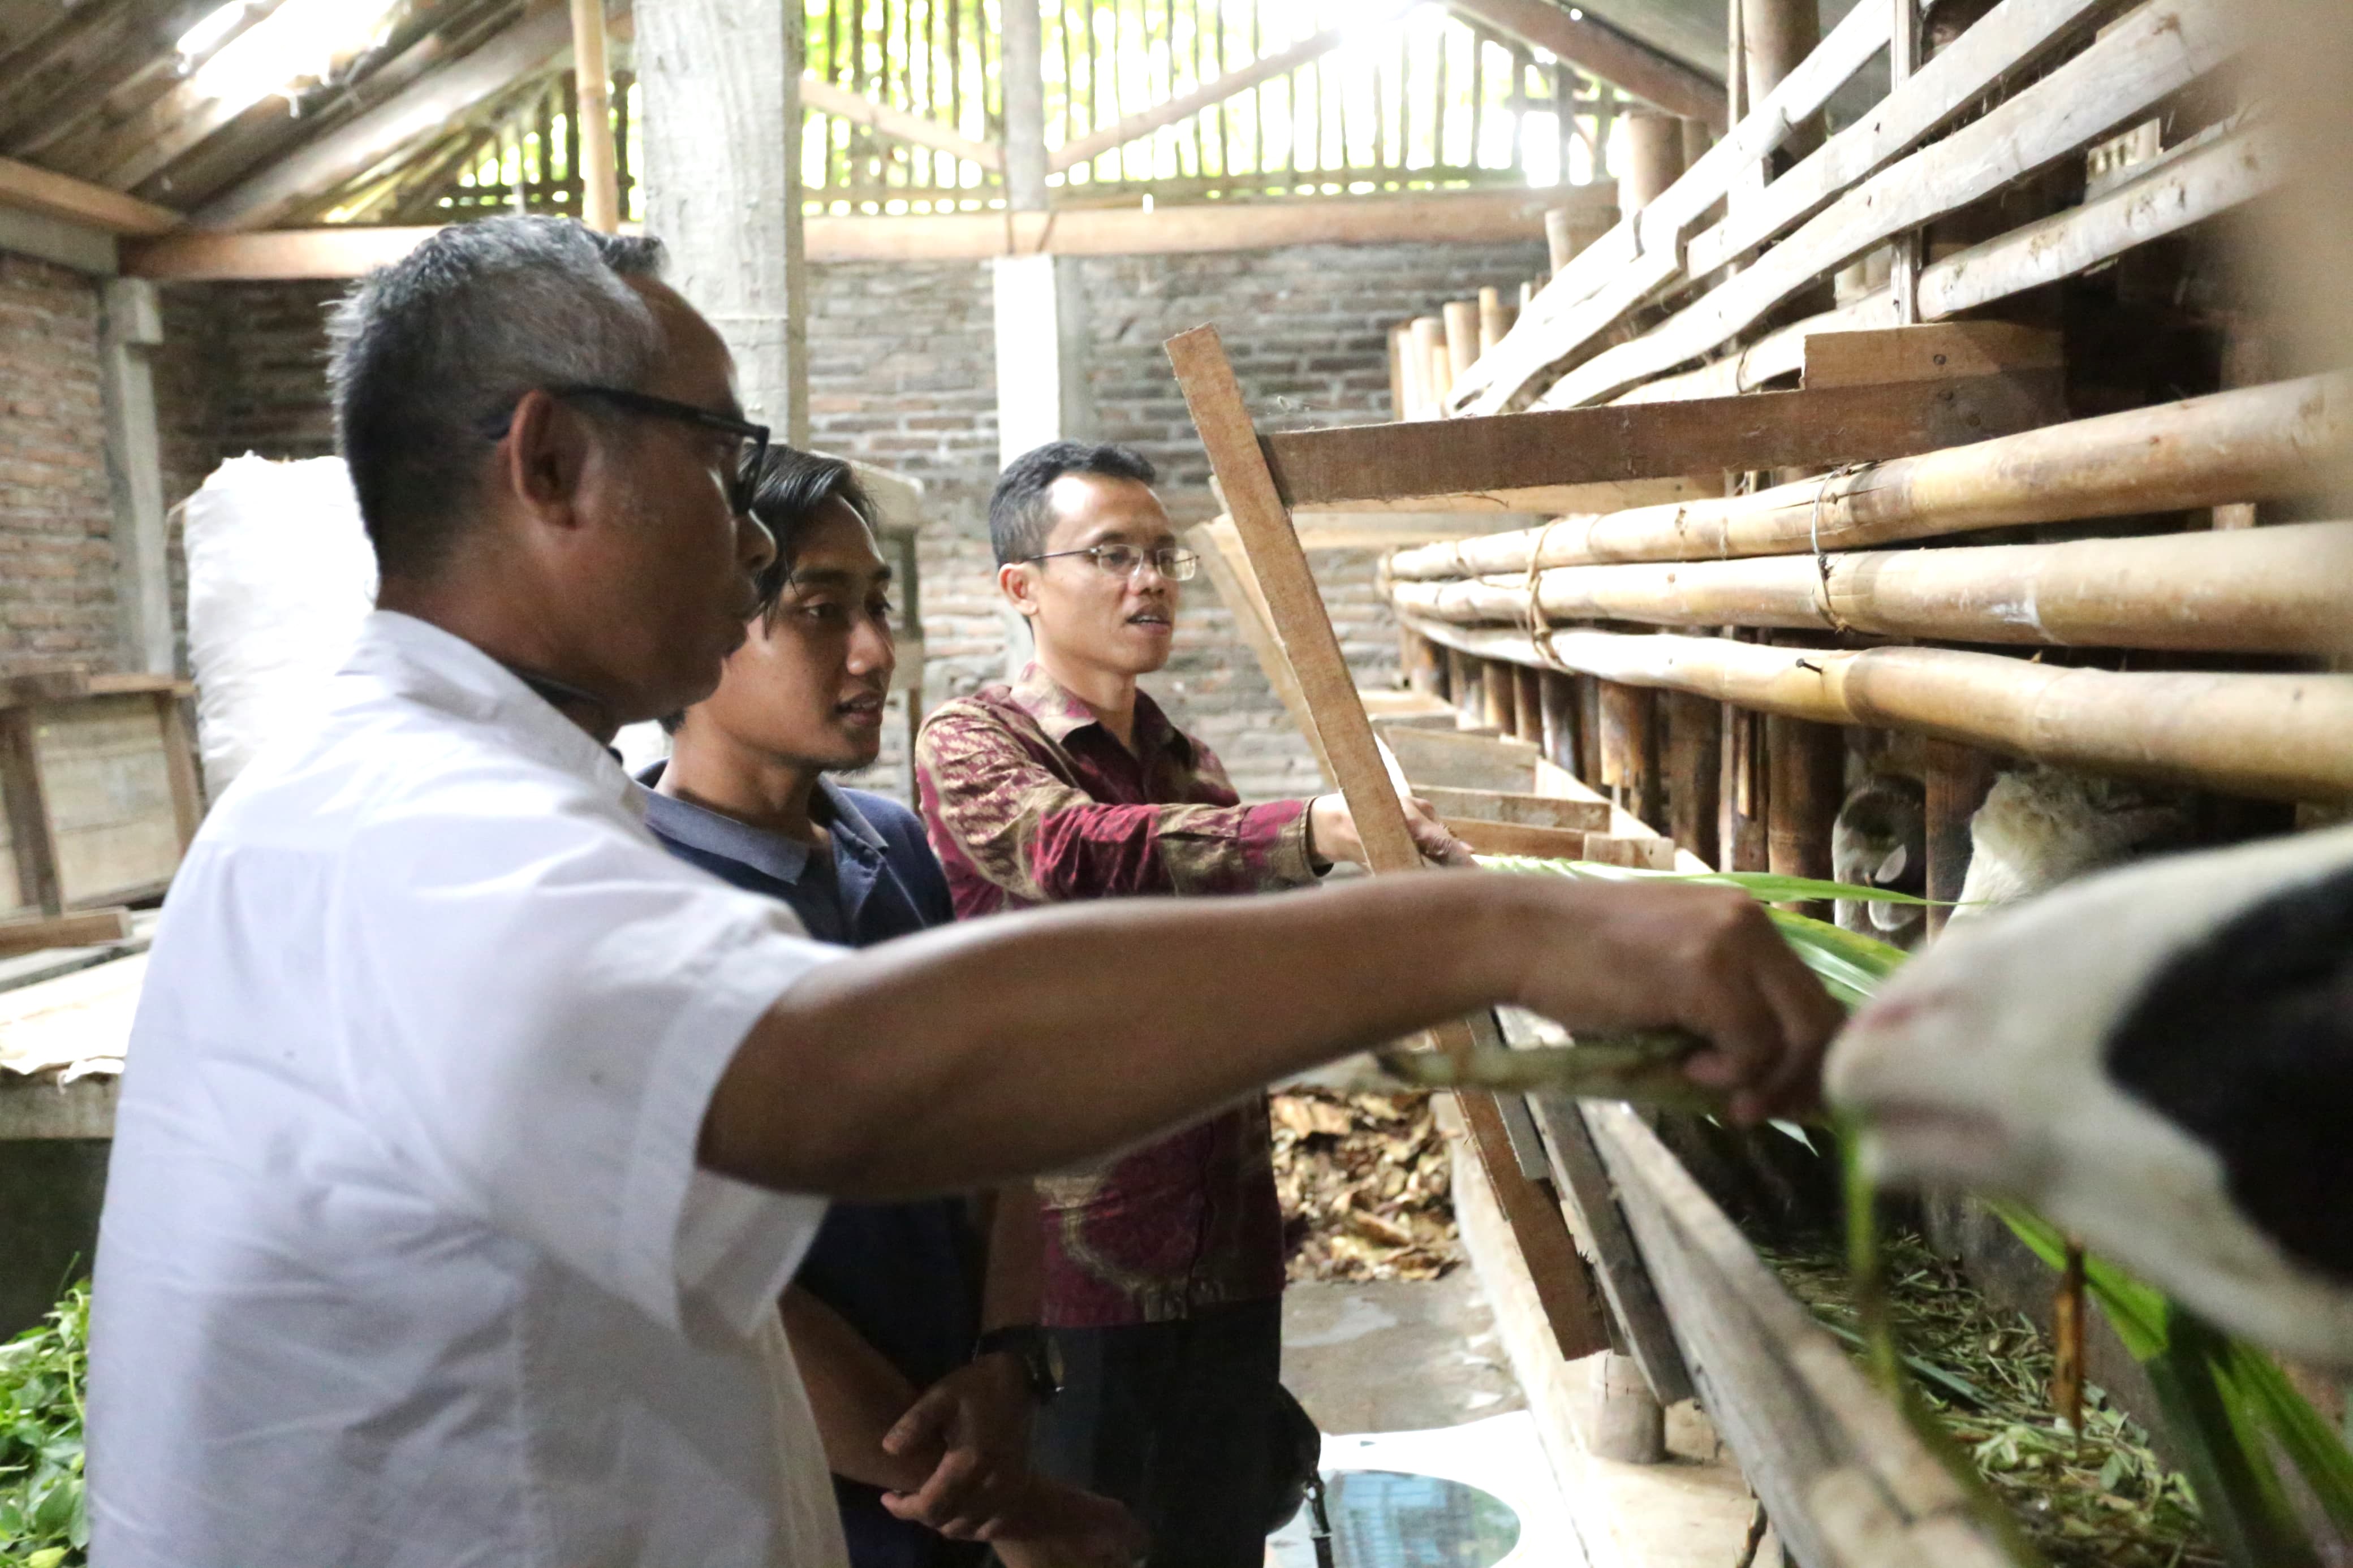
(468, 1138)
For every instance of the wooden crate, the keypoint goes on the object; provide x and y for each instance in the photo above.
(98, 778)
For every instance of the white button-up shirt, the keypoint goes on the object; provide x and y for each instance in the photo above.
(406, 1259)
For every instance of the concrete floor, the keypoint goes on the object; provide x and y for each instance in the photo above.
(1395, 1355)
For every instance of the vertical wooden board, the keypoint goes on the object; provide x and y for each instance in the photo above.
(24, 794)
(1559, 698)
(179, 740)
(1807, 767)
(1304, 632)
(13, 898)
(1501, 690)
(114, 815)
(1694, 765)
(1527, 705)
(1958, 778)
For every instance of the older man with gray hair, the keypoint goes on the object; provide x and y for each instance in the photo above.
(468, 1137)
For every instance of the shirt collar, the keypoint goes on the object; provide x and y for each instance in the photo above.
(1062, 715)
(771, 853)
(419, 660)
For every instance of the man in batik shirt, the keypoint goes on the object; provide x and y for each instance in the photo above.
(1163, 1266)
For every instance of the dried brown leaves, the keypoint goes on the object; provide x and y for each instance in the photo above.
(1365, 1185)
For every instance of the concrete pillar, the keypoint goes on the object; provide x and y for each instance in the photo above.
(722, 143)
(1042, 394)
(132, 324)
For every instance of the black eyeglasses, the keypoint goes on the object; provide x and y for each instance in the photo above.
(1127, 560)
(744, 478)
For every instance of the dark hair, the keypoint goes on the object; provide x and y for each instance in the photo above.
(429, 352)
(792, 485)
(1018, 517)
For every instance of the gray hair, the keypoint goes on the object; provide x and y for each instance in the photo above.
(428, 357)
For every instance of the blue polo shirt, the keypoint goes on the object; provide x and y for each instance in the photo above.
(905, 1276)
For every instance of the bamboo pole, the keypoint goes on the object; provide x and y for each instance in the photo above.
(2275, 737)
(2256, 443)
(1494, 318)
(2283, 589)
(1654, 160)
(1462, 336)
(1560, 237)
(600, 199)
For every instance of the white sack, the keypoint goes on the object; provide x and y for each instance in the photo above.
(279, 578)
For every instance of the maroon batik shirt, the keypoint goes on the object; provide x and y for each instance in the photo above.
(1030, 800)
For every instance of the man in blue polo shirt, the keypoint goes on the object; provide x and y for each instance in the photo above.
(925, 1417)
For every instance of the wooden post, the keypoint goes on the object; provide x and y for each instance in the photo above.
(1741, 841)
(1589, 731)
(1462, 336)
(1527, 704)
(131, 328)
(1425, 665)
(1560, 237)
(1655, 157)
(1466, 684)
(1629, 749)
(1629, 1424)
(1305, 630)
(180, 770)
(1557, 702)
(1494, 318)
(720, 139)
(1776, 36)
(1401, 399)
(1958, 778)
(1414, 361)
(24, 791)
(1429, 355)
(1502, 694)
(1807, 765)
(1903, 44)
(600, 176)
(1694, 772)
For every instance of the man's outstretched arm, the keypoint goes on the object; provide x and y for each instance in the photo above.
(1020, 1043)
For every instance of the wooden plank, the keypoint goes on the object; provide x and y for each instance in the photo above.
(1479, 512)
(2211, 177)
(33, 189)
(1441, 759)
(1933, 353)
(1643, 852)
(185, 779)
(1518, 838)
(84, 929)
(1583, 1183)
(33, 1108)
(2160, 50)
(1526, 357)
(114, 819)
(1841, 1475)
(24, 794)
(1999, 45)
(1220, 549)
(1598, 49)
(1499, 456)
(424, 107)
(2274, 737)
(1520, 808)
(1304, 635)
(921, 130)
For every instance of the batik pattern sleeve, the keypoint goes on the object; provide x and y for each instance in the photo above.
(1025, 815)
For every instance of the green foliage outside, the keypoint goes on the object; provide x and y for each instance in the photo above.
(43, 1521)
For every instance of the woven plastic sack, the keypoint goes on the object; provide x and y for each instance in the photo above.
(279, 578)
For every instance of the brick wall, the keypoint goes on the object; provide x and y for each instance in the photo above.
(57, 511)
(902, 374)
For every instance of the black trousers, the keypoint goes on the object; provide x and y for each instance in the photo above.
(1175, 1420)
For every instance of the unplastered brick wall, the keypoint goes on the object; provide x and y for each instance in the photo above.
(56, 513)
(901, 375)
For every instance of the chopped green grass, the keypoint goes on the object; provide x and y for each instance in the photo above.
(43, 1519)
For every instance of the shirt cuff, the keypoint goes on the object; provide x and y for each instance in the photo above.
(1288, 864)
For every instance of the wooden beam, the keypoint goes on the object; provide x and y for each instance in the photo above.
(2155, 52)
(921, 130)
(30, 189)
(33, 1108)
(421, 109)
(2274, 737)
(1502, 456)
(1303, 631)
(86, 928)
(1519, 838)
(1598, 49)
(600, 173)
(346, 252)
(1283, 62)
(1518, 807)
(2261, 443)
